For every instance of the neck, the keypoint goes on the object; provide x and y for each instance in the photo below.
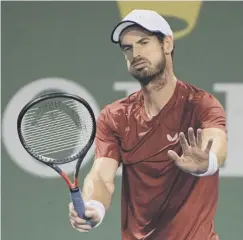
(158, 92)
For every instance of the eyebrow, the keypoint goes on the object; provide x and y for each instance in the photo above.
(129, 45)
(142, 39)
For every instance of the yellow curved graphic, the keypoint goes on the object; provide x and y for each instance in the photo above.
(187, 11)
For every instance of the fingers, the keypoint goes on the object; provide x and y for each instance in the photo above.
(209, 145)
(72, 212)
(199, 141)
(70, 206)
(80, 227)
(183, 142)
(199, 138)
(191, 137)
(89, 213)
(193, 141)
(76, 222)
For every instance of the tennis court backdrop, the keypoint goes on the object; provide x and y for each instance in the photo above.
(65, 46)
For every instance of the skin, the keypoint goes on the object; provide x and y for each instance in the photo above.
(149, 60)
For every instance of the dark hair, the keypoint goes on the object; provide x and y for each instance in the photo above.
(161, 37)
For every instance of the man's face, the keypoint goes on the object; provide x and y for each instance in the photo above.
(144, 54)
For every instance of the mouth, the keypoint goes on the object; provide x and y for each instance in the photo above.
(139, 64)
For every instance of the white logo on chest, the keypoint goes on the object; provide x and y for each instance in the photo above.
(172, 139)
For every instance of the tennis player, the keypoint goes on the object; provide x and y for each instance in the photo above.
(170, 137)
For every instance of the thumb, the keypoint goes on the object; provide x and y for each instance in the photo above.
(71, 210)
(92, 214)
(173, 156)
(70, 206)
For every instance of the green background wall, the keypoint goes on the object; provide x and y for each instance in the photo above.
(70, 41)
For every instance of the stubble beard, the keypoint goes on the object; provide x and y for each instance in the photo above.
(147, 74)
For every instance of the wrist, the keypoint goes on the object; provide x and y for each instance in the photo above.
(100, 208)
(212, 166)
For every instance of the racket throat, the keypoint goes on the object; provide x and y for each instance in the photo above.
(67, 180)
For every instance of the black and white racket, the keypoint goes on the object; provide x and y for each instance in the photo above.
(58, 128)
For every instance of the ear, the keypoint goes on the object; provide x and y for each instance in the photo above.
(168, 45)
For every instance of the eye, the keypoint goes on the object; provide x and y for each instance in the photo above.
(127, 48)
(144, 42)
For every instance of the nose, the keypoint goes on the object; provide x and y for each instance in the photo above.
(136, 52)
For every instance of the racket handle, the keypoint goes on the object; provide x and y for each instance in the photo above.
(78, 204)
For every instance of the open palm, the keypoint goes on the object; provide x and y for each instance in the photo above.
(194, 159)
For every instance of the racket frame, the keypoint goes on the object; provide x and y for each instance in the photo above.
(47, 96)
(73, 186)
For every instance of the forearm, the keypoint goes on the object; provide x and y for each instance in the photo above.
(221, 154)
(95, 188)
(219, 146)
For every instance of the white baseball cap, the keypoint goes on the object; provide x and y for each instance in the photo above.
(147, 19)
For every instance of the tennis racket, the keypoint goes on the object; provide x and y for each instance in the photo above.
(58, 128)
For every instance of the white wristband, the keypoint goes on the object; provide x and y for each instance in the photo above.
(100, 209)
(212, 166)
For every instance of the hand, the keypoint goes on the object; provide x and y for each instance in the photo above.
(194, 159)
(80, 224)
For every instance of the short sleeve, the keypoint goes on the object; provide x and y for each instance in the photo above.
(106, 141)
(210, 113)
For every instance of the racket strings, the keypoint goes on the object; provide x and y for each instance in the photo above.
(57, 126)
(59, 119)
(47, 143)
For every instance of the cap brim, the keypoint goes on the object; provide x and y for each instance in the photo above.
(119, 28)
(115, 35)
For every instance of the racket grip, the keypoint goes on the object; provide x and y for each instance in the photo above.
(78, 204)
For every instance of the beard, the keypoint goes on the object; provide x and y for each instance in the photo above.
(146, 74)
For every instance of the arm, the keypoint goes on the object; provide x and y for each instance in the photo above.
(97, 193)
(203, 154)
(212, 119)
(99, 183)
(219, 146)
